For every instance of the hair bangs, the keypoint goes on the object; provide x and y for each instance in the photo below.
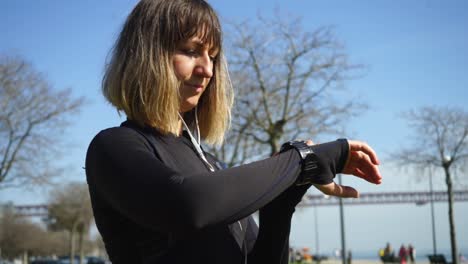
(200, 21)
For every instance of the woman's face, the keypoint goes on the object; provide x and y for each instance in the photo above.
(193, 66)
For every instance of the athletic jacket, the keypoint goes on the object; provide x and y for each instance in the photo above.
(155, 201)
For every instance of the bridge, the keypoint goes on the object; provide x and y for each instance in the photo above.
(418, 198)
(40, 210)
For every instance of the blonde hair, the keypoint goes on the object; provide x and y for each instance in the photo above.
(140, 80)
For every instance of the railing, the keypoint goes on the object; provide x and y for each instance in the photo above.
(418, 198)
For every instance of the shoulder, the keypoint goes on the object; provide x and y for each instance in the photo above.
(118, 137)
(120, 132)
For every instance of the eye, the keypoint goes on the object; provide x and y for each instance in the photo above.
(190, 52)
(214, 54)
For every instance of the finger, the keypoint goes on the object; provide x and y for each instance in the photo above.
(361, 166)
(371, 171)
(359, 173)
(334, 189)
(373, 175)
(366, 176)
(364, 147)
(365, 169)
(309, 142)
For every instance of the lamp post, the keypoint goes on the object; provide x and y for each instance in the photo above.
(343, 240)
(317, 248)
(434, 243)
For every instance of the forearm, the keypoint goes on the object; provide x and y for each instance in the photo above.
(272, 244)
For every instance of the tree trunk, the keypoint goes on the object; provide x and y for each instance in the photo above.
(72, 244)
(273, 147)
(453, 240)
(80, 245)
(273, 142)
(25, 257)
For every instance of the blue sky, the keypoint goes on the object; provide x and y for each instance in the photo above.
(415, 52)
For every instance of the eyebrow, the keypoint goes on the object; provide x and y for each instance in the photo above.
(201, 44)
(198, 41)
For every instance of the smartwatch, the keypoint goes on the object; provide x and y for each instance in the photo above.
(310, 168)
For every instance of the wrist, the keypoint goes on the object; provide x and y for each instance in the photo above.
(309, 161)
(344, 157)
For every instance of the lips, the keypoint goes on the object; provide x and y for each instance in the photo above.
(195, 88)
(195, 85)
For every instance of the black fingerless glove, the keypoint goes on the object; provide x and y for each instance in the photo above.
(331, 158)
(321, 162)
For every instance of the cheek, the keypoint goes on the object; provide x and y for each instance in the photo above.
(181, 68)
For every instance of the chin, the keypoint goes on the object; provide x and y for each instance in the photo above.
(186, 107)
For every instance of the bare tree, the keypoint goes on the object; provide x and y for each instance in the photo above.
(285, 79)
(70, 209)
(20, 237)
(32, 117)
(440, 141)
(11, 243)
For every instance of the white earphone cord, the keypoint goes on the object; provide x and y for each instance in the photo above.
(196, 143)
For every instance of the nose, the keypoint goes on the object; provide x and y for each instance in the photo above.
(204, 66)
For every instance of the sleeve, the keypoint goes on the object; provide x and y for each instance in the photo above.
(272, 244)
(123, 169)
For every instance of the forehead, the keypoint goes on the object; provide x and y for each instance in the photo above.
(199, 42)
(203, 29)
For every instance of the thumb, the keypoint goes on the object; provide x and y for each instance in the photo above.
(334, 189)
(349, 192)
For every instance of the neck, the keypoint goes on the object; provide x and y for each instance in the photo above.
(182, 117)
(179, 124)
(190, 120)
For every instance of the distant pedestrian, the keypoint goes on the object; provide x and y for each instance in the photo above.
(298, 256)
(349, 257)
(411, 253)
(381, 252)
(403, 254)
(461, 258)
(388, 251)
(291, 255)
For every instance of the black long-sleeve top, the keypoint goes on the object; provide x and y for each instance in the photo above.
(155, 201)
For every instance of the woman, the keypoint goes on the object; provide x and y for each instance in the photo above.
(157, 196)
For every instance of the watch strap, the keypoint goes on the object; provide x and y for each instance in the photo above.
(309, 161)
